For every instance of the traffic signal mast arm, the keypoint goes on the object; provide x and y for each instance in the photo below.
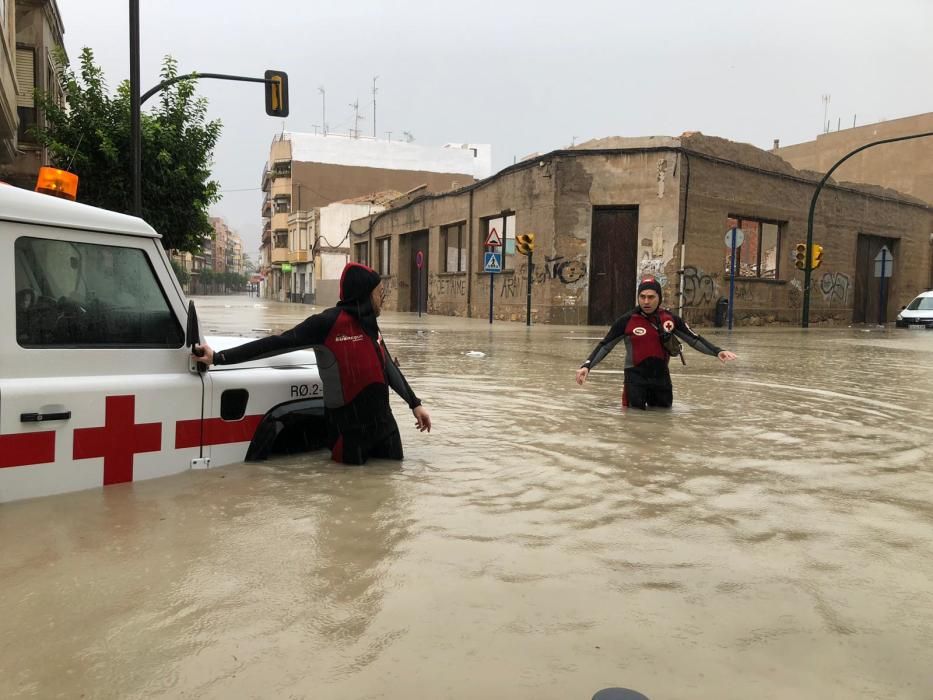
(272, 79)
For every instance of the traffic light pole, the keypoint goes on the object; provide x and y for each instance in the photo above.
(805, 320)
(531, 269)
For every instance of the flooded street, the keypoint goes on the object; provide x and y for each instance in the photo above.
(769, 537)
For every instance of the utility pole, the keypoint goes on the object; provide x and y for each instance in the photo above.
(323, 109)
(375, 77)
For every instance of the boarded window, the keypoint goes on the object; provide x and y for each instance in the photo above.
(383, 249)
(453, 242)
(361, 253)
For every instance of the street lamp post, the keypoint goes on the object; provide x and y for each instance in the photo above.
(805, 320)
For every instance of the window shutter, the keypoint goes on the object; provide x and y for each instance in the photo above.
(26, 77)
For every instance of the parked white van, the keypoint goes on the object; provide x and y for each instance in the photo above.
(96, 382)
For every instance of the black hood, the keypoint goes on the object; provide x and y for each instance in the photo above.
(357, 283)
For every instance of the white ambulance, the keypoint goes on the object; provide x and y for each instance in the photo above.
(96, 382)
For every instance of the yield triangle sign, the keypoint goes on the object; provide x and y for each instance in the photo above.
(493, 239)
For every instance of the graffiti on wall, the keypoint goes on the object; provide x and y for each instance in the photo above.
(388, 285)
(835, 287)
(652, 267)
(446, 285)
(556, 268)
(509, 287)
(699, 288)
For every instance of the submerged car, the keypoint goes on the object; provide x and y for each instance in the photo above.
(918, 313)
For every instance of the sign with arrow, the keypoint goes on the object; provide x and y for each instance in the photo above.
(884, 263)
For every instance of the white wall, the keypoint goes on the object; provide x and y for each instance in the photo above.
(332, 265)
(334, 224)
(392, 155)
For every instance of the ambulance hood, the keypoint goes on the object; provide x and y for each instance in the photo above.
(291, 360)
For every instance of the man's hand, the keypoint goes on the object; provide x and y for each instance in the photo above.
(726, 356)
(207, 356)
(422, 418)
(582, 374)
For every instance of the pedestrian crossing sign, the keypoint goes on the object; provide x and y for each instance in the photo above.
(492, 262)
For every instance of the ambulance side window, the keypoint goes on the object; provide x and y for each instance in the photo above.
(85, 295)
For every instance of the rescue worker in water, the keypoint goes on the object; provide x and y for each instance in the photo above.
(355, 366)
(651, 335)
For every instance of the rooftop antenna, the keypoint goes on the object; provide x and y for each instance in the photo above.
(375, 77)
(323, 109)
(356, 118)
(408, 136)
(826, 98)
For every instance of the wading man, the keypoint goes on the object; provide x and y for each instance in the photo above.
(651, 336)
(355, 368)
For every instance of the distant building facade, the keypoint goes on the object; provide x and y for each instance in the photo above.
(31, 33)
(306, 173)
(609, 212)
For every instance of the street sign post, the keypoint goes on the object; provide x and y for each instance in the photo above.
(492, 262)
(884, 266)
(735, 237)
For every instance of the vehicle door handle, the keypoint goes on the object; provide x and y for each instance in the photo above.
(40, 417)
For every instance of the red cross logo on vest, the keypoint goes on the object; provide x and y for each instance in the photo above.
(118, 440)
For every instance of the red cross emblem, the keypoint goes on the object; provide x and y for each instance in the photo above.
(118, 440)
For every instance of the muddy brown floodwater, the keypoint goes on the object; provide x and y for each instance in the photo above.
(769, 537)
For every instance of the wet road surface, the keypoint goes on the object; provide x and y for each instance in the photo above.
(769, 537)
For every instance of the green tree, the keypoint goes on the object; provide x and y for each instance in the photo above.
(180, 273)
(90, 136)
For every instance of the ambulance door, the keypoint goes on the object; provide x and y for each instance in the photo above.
(95, 378)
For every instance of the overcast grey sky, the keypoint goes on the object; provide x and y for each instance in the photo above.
(524, 75)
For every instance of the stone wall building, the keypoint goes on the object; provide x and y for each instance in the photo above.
(611, 211)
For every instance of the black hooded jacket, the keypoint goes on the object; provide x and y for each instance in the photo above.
(356, 368)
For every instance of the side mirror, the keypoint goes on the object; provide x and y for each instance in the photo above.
(903, 307)
(193, 336)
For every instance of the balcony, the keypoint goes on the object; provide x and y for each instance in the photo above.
(298, 256)
(279, 255)
(282, 187)
(280, 221)
(267, 206)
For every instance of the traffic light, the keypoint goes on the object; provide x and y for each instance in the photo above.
(800, 256)
(276, 93)
(525, 243)
(816, 256)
